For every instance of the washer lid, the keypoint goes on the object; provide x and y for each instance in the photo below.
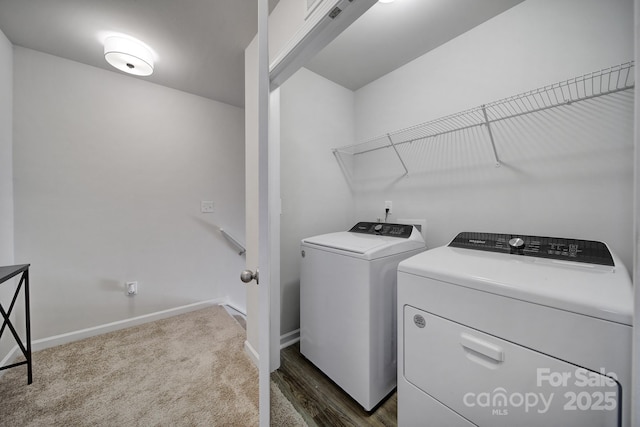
(366, 246)
(589, 289)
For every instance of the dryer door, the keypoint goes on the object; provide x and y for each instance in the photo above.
(493, 382)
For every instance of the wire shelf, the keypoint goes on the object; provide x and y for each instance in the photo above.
(599, 83)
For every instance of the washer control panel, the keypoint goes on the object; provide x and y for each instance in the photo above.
(383, 229)
(586, 251)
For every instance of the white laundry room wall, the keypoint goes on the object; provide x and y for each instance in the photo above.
(6, 142)
(316, 115)
(566, 172)
(6, 177)
(109, 173)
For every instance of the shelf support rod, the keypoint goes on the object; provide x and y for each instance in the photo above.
(345, 171)
(493, 144)
(406, 171)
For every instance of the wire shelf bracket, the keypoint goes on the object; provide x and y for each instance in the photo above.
(406, 171)
(493, 144)
(588, 86)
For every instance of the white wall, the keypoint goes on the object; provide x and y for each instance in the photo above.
(567, 172)
(6, 176)
(535, 43)
(109, 172)
(316, 115)
(6, 139)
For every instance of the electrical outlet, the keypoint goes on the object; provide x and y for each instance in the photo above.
(206, 206)
(388, 205)
(131, 288)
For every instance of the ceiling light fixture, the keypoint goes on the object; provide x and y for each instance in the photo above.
(128, 55)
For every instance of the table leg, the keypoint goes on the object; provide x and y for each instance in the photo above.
(25, 277)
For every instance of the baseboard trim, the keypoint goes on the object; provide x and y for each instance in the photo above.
(8, 358)
(68, 337)
(290, 338)
(252, 353)
(234, 308)
(286, 340)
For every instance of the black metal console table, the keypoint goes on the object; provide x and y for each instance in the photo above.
(7, 273)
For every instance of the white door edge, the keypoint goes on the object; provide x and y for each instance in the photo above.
(263, 214)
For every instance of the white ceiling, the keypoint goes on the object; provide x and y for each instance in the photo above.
(200, 44)
(390, 35)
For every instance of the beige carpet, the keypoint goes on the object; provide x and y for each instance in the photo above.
(188, 370)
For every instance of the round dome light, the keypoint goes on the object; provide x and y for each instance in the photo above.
(128, 55)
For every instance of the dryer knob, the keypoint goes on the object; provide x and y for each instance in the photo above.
(516, 243)
(378, 228)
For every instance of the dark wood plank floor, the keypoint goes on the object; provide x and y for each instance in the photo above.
(320, 401)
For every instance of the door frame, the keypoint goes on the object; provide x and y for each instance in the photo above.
(318, 30)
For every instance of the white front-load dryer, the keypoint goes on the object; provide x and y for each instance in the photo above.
(512, 330)
(347, 305)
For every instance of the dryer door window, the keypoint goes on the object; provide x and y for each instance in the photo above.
(493, 382)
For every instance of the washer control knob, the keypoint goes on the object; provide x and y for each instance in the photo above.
(516, 243)
(378, 228)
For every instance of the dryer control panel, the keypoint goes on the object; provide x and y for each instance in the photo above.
(585, 251)
(383, 229)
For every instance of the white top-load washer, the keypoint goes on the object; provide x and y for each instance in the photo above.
(348, 302)
(504, 330)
